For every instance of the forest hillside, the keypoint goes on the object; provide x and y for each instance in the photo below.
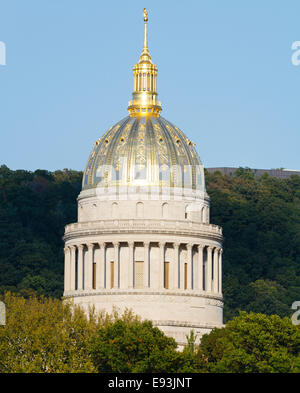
(260, 219)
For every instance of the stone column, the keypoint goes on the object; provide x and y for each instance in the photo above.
(80, 267)
(72, 268)
(161, 265)
(176, 284)
(189, 266)
(216, 270)
(200, 267)
(100, 268)
(130, 264)
(67, 268)
(89, 269)
(146, 265)
(209, 268)
(116, 265)
(220, 270)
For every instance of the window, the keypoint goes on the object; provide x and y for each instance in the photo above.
(140, 210)
(112, 274)
(114, 210)
(185, 276)
(167, 275)
(165, 210)
(94, 275)
(139, 274)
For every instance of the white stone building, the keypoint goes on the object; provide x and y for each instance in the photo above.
(143, 239)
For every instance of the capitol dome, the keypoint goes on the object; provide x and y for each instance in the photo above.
(143, 239)
(148, 151)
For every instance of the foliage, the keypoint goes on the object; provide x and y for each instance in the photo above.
(49, 335)
(260, 217)
(44, 335)
(133, 347)
(253, 343)
(34, 208)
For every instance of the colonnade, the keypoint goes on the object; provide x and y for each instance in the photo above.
(199, 270)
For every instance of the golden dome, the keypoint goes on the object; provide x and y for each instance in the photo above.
(144, 148)
(144, 151)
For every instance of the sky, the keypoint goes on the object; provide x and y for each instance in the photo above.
(225, 77)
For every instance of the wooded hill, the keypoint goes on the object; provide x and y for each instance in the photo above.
(260, 219)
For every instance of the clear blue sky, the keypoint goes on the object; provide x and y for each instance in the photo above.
(225, 77)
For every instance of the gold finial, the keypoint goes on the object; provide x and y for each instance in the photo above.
(145, 13)
(144, 97)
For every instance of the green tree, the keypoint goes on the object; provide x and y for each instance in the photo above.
(45, 335)
(253, 343)
(133, 347)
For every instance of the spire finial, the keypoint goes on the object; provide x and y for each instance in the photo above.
(144, 97)
(145, 13)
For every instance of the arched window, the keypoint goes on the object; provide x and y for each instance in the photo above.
(186, 211)
(140, 210)
(165, 210)
(114, 210)
(203, 214)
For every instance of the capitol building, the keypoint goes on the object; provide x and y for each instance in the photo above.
(143, 239)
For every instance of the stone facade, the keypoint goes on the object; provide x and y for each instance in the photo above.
(160, 258)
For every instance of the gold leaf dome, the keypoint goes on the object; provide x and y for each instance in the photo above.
(147, 151)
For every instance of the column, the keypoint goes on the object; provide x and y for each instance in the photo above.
(190, 266)
(72, 268)
(220, 271)
(209, 268)
(89, 267)
(100, 268)
(161, 265)
(146, 265)
(116, 265)
(176, 266)
(80, 267)
(200, 267)
(130, 264)
(216, 269)
(67, 268)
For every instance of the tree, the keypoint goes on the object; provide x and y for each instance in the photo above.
(253, 343)
(45, 335)
(133, 347)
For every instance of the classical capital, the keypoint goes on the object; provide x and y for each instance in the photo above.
(189, 246)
